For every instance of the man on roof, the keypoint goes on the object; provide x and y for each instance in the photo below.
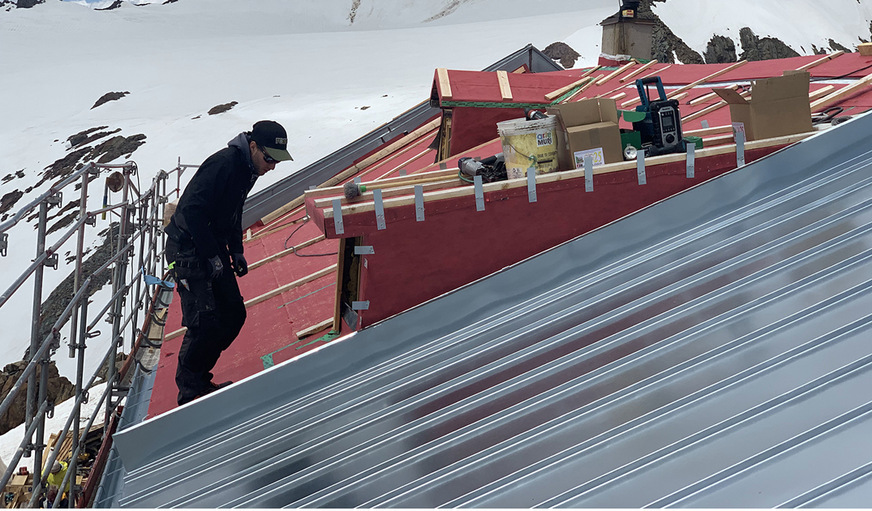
(205, 253)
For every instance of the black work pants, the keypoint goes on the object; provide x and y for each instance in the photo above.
(213, 312)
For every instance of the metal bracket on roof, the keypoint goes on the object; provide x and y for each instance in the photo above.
(739, 135)
(337, 216)
(379, 209)
(4, 243)
(705, 124)
(419, 203)
(402, 172)
(640, 167)
(691, 160)
(360, 306)
(588, 173)
(479, 194)
(356, 180)
(531, 185)
(443, 165)
(364, 250)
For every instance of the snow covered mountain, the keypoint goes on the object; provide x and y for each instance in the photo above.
(330, 71)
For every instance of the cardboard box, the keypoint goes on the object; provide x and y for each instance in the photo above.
(865, 49)
(779, 106)
(589, 126)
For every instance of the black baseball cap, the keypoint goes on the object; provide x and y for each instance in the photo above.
(273, 138)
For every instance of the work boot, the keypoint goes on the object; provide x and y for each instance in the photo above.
(212, 386)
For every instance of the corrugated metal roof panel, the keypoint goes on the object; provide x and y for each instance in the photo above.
(709, 351)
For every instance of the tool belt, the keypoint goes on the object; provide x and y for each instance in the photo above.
(183, 262)
(188, 263)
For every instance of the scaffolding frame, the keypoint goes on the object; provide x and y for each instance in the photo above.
(138, 240)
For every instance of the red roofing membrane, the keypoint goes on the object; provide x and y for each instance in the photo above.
(270, 332)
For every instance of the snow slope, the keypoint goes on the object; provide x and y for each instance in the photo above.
(329, 70)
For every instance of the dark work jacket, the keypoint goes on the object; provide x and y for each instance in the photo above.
(208, 217)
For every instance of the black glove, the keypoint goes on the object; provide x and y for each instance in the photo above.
(217, 267)
(240, 265)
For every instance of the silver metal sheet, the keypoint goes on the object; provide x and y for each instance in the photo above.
(709, 351)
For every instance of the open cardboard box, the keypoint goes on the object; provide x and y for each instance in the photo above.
(779, 106)
(589, 126)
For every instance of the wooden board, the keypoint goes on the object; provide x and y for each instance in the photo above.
(408, 200)
(551, 96)
(635, 72)
(444, 83)
(820, 61)
(615, 73)
(841, 93)
(321, 325)
(505, 88)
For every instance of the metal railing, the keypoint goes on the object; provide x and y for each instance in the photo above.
(137, 251)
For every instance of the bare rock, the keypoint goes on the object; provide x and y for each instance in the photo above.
(720, 50)
(665, 45)
(116, 147)
(116, 4)
(766, 48)
(838, 47)
(109, 96)
(9, 200)
(222, 108)
(59, 389)
(563, 53)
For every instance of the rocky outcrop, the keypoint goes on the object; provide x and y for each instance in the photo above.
(562, 53)
(27, 4)
(59, 389)
(838, 47)
(9, 200)
(665, 45)
(668, 47)
(766, 48)
(104, 152)
(720, 50)
(116, 4)
(219, 109)
(109, 96)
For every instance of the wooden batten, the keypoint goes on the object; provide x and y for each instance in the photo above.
(635, 72)
(409, 199)
(551, 96)
(841, 93)
(823, 91)
(820, 61)
(505, 88)
(615, 73)
(321, 325)
(444, 83)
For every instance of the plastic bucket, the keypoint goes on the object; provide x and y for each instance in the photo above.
(529, 144)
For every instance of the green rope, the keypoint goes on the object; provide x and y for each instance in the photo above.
(268, 361)
(329, 336)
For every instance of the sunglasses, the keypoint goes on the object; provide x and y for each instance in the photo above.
(266, 157)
